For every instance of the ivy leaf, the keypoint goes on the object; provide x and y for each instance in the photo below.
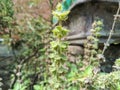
(54, 45)
(98, 29)
(118, 86)
(61, 70)
(86, 73)
(52, 55)
(59, 32)
(100, 23)
(61, 16)
(53, 69)
(117, 62)
(59, 7)
(37, 87)
(73, 75)
(57, 85)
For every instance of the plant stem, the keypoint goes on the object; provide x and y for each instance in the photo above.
(112, 30)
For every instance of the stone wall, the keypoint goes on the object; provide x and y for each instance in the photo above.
(83, 15)
(34, 8)
(80, 22)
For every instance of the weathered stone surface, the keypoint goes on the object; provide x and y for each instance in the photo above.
(34, 8)
(6, 66)
(5, 51)
(6, 63)
(111, 54)
(74, 53)
(75, 50)
(83, 15)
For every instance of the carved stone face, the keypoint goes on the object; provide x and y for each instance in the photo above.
(82, 16)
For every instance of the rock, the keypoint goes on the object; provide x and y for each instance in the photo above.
(75, 50)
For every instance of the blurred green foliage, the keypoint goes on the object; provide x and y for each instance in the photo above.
(36, 70)
(6, 13)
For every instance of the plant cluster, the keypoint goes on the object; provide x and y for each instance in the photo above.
(27, 40)
(38, 68)
(63, 74)
(6, 15)
(31, 64)
(58, 48)
(99, 80)
(91, 50)
(89, 63)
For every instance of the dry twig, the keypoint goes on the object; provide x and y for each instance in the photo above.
(112, 30)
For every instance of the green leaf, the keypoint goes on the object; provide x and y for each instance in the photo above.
(73, 74)
(118, 86)
(57, 85)
(100, 23)
(17, 86)
(52, 55)
(55, 45)
(38, 87)
(86, 73)
(60, 32)
(117, 62)
(98, 29)
(61, 16)
(59, 7)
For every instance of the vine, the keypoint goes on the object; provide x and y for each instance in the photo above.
(112, 30)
